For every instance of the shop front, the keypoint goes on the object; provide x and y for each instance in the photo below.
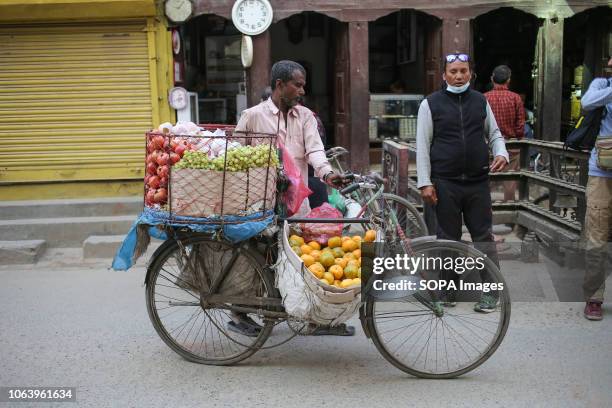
(79, 86)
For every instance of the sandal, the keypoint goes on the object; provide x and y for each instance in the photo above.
(340, 330)
(245, 326)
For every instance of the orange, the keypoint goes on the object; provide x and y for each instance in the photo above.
(346, 283)
(357, 281)
(323, 281)
(327, 259)
(307, 259)
(315, 253)
(297, 250)
(329, 277)
(344, 238)
(354, 262)
(337, 283)
(351, 271)
(334, 242)
(338, 252)
(349, 245)
(337, 271)
(317, 269)
(296, 240)
(357, 253)
(370, 236)
(306, 249)
(342, 262)
(348, 256)
(359, 273)
(314, 245)
(356, 238)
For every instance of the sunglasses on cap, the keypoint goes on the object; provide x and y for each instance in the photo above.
(450, 58)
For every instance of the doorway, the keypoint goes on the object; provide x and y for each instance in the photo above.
(307, 39)
(506, 36)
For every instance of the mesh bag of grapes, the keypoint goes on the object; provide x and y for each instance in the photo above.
(234, 174)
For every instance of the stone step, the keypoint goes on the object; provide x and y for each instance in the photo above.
(21, 252)
(64, 232)
(102, 246)
(98, 207)
(106, 246)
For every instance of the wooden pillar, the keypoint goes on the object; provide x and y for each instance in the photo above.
(258, 75)
(359, 95)
(552, 64)
(456, 36)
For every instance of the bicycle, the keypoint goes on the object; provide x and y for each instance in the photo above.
(194, 280)
(408, 215)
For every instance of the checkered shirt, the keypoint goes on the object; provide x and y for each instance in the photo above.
(508, 109)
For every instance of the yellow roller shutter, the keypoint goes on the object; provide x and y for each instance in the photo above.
(75, 100)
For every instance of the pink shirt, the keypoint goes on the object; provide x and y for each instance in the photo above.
(299, 135)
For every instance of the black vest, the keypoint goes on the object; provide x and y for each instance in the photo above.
(459, 150)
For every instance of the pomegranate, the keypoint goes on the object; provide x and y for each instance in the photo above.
(163, 159)
(151, 168)
(174, 157)
(163, 171)
(158, 142)
(161, 195)
(180, 149)
(149, 197)
(154, 182)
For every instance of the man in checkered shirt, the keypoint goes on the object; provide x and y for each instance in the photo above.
(509, 113)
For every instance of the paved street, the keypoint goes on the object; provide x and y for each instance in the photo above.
(87, 327)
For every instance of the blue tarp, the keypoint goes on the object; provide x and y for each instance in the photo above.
(248, 227)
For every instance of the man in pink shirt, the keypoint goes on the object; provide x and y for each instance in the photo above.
(295, 124)
(297, 130)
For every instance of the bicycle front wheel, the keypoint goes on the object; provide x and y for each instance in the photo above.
(183, 270)
(435, 333)
(408, 217)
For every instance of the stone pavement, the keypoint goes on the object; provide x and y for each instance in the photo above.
(66, 323)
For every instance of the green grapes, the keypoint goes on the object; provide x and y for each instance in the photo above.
(237, 159)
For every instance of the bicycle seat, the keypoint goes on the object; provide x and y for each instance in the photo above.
(336, 151)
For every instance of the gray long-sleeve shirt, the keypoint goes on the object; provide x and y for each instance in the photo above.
(425, 135)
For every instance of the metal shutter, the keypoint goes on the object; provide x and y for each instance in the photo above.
(75, 101)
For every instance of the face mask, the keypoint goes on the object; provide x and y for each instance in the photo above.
(457, 89)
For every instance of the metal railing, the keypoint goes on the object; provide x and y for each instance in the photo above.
(547, 172)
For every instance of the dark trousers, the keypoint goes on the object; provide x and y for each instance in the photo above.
(319, 190)
(469, 202)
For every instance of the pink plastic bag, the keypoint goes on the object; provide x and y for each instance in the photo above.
(322, 232)
(297, 191)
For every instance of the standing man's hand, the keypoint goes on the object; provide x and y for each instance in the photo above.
(498, 164)
(429, 196)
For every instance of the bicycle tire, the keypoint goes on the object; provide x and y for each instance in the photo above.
(244, 346)
(412, 222)
(383, 345)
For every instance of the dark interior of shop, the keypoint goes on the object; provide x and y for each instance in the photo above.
(505, 36)
(213, 68)
(305, 38)
(586, 50)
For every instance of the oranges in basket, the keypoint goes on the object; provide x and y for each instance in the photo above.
(338, 263)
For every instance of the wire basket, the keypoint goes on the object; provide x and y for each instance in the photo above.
(211, 179)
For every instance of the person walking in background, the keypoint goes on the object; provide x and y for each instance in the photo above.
(509, 113)
(598, 218)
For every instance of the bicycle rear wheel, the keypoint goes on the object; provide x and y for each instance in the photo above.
(174, 282)
(438, 333)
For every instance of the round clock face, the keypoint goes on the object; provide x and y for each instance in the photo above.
(178, 98)
(252, 17)
(178, 10)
